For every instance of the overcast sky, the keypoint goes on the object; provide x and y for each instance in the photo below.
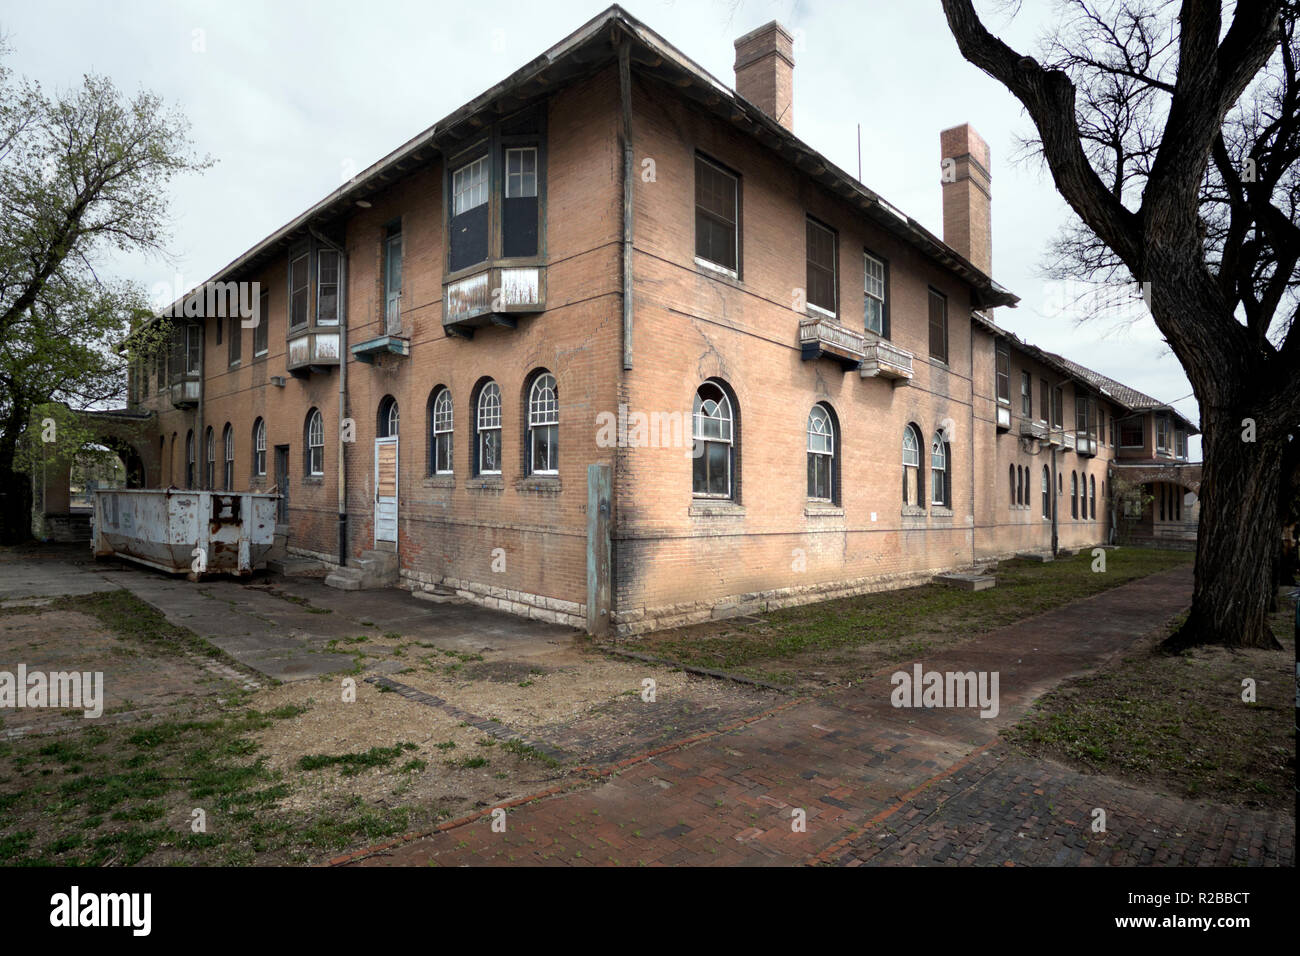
(291, 98)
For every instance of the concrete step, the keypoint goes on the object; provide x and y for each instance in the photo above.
(289, 566)
(967, 581)
(373, 569)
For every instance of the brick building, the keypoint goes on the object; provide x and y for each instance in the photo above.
(789, 389)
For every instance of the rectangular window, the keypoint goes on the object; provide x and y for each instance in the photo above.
(519, 209)
(327, 287)
(717, 216)
(1162, 434)
(1180, 443)
(393, 280)
(298, 290)
(260, 333)
(1081, 418)
(1131, 434)
(1002, 367)
(193, 350)
(1026, 395)
(234, 339)
(874, 294)
(1058, 407)
(821, 250)
(938, 326)
(469, 213)
(1044, 399)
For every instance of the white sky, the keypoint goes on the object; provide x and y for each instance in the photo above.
(292, 97)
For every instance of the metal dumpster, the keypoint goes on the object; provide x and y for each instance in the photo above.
(185, 532)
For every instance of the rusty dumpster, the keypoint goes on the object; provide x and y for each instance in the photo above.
(185, 532)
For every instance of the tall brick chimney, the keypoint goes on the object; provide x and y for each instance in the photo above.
(967, 195)
(765, 71)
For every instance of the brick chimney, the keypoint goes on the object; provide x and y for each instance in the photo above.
(967, 195)
(765, 71)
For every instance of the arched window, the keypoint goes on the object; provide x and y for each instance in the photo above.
(1022, 484)
(387, 423)
(488, 430)
(228, 446)
(1047, 493)
(440, 438)
(821, 454)
(1092, 496)
(259, 448)
(315, 443)
(1011, 475)
(189, 459)
(210, 472)
(912, 466)
(940, 476)
(1074, 494)
(543, 426)
(713, 434)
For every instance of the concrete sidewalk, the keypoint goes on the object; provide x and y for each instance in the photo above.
(844, 763)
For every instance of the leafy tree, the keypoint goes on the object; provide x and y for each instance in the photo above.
(83, 173)
(1174, 137)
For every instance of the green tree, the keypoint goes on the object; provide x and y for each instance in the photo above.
(83, 174)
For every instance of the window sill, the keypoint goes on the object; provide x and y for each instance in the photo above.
(440, 481)
(817, 312)
(822, 509)
(939, 511)
(486, 483)
(716, 270)
(539, 485)
(704, 508)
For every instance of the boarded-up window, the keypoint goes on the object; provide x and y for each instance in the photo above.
(469, 213)
(821, 267)
(717, 200)
(939, 327)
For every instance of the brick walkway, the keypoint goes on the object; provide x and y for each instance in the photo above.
(880, 785)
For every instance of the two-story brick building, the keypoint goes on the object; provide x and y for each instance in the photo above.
(612, 259)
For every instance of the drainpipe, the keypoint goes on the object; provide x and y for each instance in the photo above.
(200, 440)
(625, 106)
(343, 392)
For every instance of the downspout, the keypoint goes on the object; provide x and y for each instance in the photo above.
(343, 392)
(200, 439)
(625, 106)
(973, 529)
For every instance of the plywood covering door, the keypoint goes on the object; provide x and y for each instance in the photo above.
(385, 489)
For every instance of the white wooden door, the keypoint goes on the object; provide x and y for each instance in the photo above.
(385, 489)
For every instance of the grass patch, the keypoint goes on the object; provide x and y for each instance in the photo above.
(1180, 720)
(787, 644)
(355, 763)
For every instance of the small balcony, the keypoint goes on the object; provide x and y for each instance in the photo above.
(1086, 443)
(493, 296)
(1002, 415)
(372, 349)
(885, 360)
(1067, 440)
(1032, 429)
(313, 350)
(821, 337)
(184, 390)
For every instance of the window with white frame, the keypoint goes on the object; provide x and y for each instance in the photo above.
(1047, 493)
(259, 448)
(874, 293)
(543, 426)
(713, 435)
(228, 443)
(388, 418)
(298, 290)
(821, 454)
(911, 466)
(443, 431)
(469, 185)
(521, 173)
(488, 430)
(327, 287)
(940, 484)
(315, 443)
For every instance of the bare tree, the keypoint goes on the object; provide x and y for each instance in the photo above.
(1174, 138)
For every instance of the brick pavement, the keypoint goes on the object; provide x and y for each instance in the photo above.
(881, 785)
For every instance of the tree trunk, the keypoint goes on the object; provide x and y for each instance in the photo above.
(15, 486)
(1237, 538)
